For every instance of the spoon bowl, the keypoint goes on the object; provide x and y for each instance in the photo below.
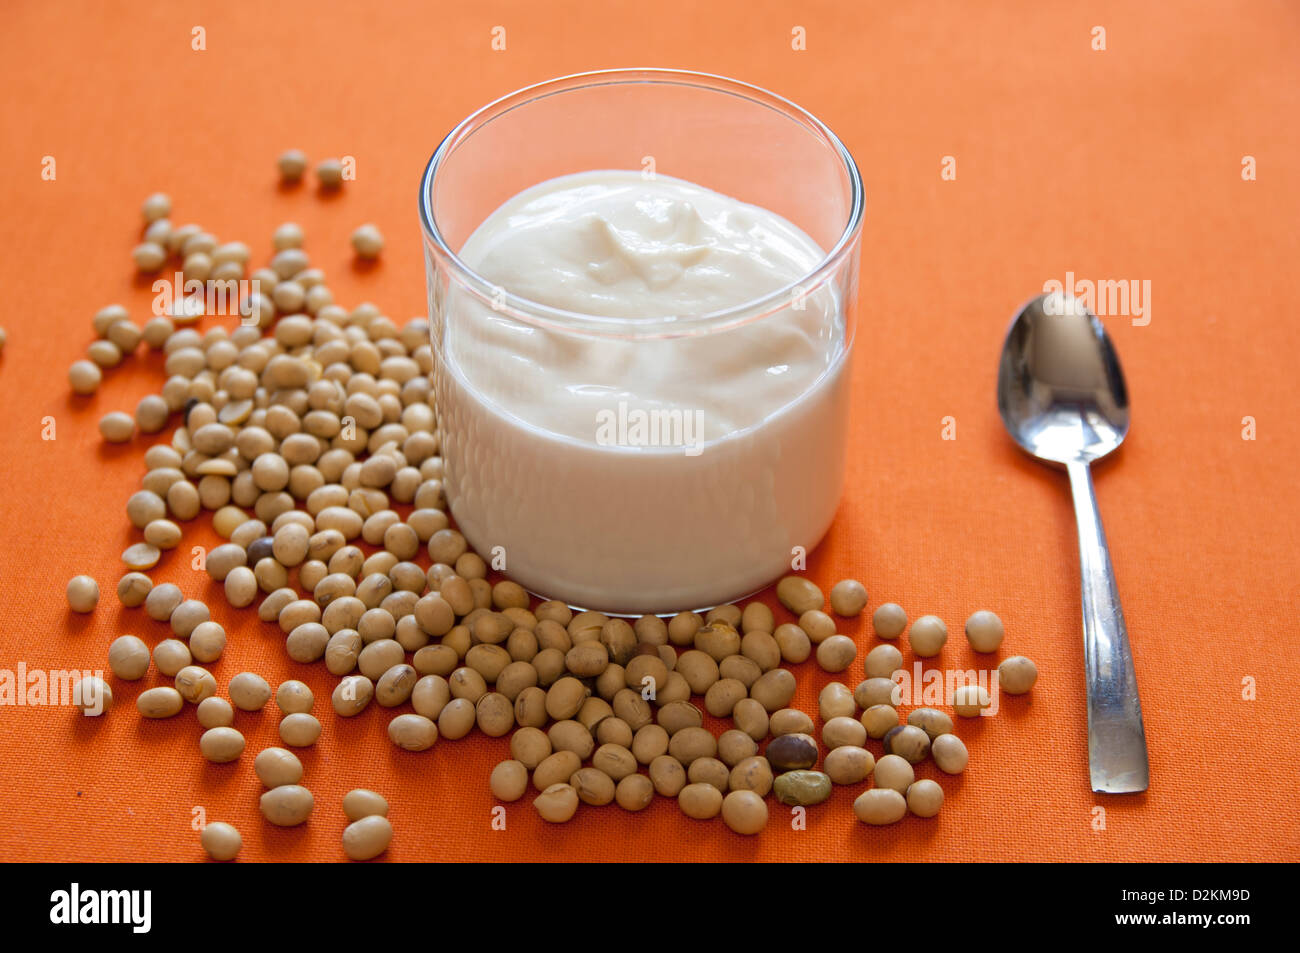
(1062, 398)
(1061, 391)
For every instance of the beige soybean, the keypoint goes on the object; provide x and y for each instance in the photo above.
(835, 700)
(774, 689)
(557, 803)
(891, 771)
(984, 631)
(949, 753)
(84, 377)
(700, 801)
(802, 787)
(883, 661)
(752, 774)
(744, 812)
(187, 616)
(790, 721)
(294, 697)
(133, 588)
(128, 657)
(413, 732)
(162, 601)
(299, 730)
(970, 701)
(878, 691)
(456, 719)
(709, 771)
(930, 720)
(818, 625)
(249, 691)
(207, 641)
(93, 696)
(195, 683)
(368, 837)
(83, 594)
(879, 719)
(593, 786)
(214, 712)
(117, 427)
(927, 636)
(362, 802)
(559, 765)
(799, 594)
(1017, 675)
(170, 656)
(634, 793)
(276, 767)
(509, 780)
(836, 653)
(924, 798)
(667, 775)
(751, 718)
(849, 764)
(287, 805)
(889, 620)
(842, 731)
(221, 744)
(793, 642)
(220, 840)
(848, 598)
(879, 806)
(162, 702)
(908, 742)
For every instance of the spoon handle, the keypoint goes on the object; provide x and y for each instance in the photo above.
(1117, 742)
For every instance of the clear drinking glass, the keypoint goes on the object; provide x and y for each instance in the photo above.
(626, 525)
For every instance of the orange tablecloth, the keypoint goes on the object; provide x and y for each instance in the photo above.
(1119, 164)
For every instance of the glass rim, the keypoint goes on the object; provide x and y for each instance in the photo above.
(535, 312)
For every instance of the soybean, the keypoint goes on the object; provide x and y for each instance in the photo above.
(889, 620)
(558, 803)
(92, 695)
(924, 798)
(128, 657)
(849, 764)
(1017, 675)
(221, 744)
(214, 712)
(802, 787)
(220, 840)
(744, 812)
(83, 594)
(908, 742)
(799, 594)
(969, 701)
(949, 754)
(984, 631)
(287, 805)
(248, 691)
(891, 771)
(276, 767)
(700, 801)
(299, 730)
(162, 702)
(848, 598)
(927, 636)
(362, 802)
(509, 780)
(368, 837)
(880, 806)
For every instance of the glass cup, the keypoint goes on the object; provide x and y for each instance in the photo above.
(722, 465)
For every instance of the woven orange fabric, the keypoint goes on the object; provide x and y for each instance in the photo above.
(1118, 164)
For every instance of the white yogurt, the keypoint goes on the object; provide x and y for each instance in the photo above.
(641, 474)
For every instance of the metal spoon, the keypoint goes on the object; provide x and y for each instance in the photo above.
(1062, 398)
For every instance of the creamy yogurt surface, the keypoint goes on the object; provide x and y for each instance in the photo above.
(615, 244)
(632, 473)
